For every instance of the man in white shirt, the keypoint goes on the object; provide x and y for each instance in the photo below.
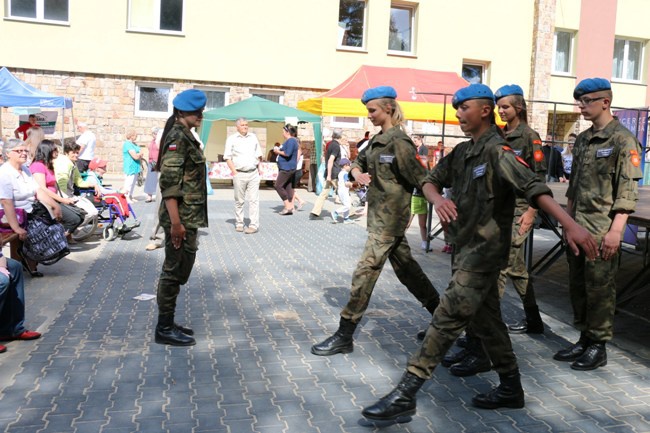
(243, 154)
(87, 141)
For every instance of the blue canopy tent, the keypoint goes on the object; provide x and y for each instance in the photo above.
(17, 93)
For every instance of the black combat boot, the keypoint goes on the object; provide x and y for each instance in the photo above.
(399, 402)
(184, 329)
(574, 351)
(476, 360)
(340, 342)
(431, 307)
(452, 358)
(168, 333)
(509, 393)
(593, 357)
(532, 324)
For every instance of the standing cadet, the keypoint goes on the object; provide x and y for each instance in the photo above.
(392, 169)
(484, 175)
(602, 192)
(183, 211)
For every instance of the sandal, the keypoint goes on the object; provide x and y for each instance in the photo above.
(35, 273)
(286, 211)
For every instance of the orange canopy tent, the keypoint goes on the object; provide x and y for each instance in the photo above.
(423, 95)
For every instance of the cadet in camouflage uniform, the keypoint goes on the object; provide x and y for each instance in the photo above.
(392, 169)
(484, 175)
(183, 210)
(602, 192)
(527, 145)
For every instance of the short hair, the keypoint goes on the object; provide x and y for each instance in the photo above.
(71, 147)
(82, 124)
(32, 116)
(11, 144)
(337, 133)
(240, 120)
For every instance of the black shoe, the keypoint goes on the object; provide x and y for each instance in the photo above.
(574, 351)
(35, 273)
(509, 393)
(454, 358)
(462, 341)
(421, 334)
(520, 327)
(470, 365)
(337, 343)
(173, 336)
(399, 402)
(184, 329)
(593, 357)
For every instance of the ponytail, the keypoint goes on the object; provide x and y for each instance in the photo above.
(168, 126)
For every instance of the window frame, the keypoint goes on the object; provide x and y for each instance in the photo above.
(554, 69)
(224, 90)
(40, 14)
(147, 113)
(335, 122)
(413, 8)
(157, 11)
(258, 92)
(484, 66)
(341, 31)
(625, 58)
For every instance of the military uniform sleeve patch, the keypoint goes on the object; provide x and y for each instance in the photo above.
(634, 158)
(172, 147)
(422, 163)
(538, 155)
(537, 142)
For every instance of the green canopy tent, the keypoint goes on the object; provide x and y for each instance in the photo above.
(260, 113)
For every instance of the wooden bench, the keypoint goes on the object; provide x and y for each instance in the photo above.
(12, 240)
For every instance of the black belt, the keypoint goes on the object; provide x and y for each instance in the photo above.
(247, 171)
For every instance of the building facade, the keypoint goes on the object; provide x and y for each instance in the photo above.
(122, 62)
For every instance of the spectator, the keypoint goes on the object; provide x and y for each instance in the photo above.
(67, 173)
(87, 141)
(419, 205)
(553, 159)
(332, 159)
(42, 169)
(151, 182)
(131, 156)
(343, 191)
(24, 127)
(298, 202)
(243, 154)
(34, 138)
(567, 158)
(287, 162)
(12, 303)
(18, 194)
(361, 144)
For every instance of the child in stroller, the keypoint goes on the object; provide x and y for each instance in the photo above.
(110, 201)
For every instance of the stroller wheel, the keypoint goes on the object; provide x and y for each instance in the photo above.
(109, 233)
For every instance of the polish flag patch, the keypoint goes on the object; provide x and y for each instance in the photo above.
(172, 147)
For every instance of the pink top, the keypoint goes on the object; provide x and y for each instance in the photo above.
(153, 150)
(50, 178)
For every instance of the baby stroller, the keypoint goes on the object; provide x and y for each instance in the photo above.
(360, 196)
(113, 214)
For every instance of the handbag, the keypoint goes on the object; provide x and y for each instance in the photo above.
(21, 215)
(45, 242)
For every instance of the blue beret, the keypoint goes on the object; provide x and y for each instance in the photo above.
(590, 85)
(507, 90)
(190, 100)
(473, 91)
(378, 92)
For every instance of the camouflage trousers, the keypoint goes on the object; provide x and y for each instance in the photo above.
(517, 270)
(470, 297)
(396, 249)
(176, 270)
(592, 288)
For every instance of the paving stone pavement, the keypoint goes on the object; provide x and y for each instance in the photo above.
(257, 303)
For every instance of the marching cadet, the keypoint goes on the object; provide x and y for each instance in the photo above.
(602, 193)
(392, 169)
(484, 175)
(184, 209)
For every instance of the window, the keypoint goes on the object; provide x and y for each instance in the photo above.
(39, 10)
(277, 97)
(347, 122)
(156, 15)
(153, 100)
(352, 23)
(563, 52)
(217, 98)
(628, 58)
(400, 30)
(474, 72)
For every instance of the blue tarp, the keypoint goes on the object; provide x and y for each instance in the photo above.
(16, 93)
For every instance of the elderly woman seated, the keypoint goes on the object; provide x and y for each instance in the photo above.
(20, 194)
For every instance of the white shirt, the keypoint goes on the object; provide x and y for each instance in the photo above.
(244, 151)
(87, 140)
(18, 186)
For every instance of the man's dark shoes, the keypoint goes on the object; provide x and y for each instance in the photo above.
(532, 324)
(452, 358)
(509, 393)
(470, 365)
(340, 342)
(184, 329)
(574, 351)
(169, 333)
(593, 357)
(398, 403)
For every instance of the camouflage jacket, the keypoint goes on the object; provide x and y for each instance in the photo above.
(485, 177)
(391, 159)
(527, 144)
(182, 175)
(604, 174)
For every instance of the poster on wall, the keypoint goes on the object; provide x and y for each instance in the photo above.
(45, 119)
(637, 122)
